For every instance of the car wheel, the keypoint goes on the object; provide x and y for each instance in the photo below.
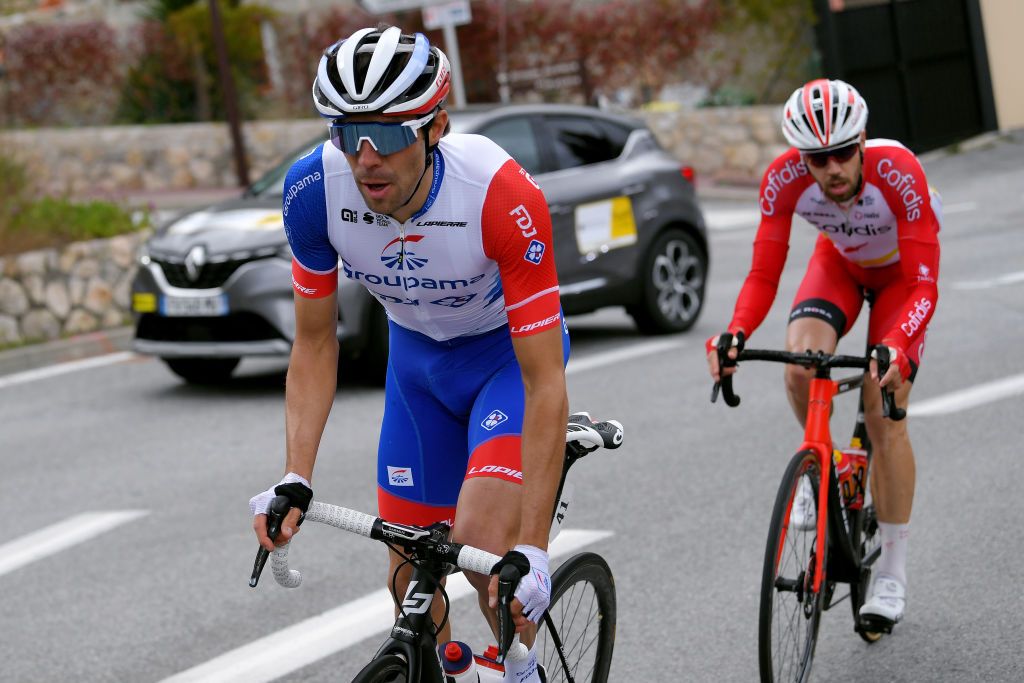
(202, 370)
(673, 278)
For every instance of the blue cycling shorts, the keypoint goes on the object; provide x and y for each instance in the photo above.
(452, 410)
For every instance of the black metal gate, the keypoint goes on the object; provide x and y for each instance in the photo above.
(920, 64)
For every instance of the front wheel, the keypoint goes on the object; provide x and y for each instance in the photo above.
(583, 612)
(866, 540)
(790, 609)
(390, 668)
(675, 271)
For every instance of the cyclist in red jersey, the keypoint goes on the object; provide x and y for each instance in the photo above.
(878, 225)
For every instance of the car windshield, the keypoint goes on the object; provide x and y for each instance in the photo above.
(271, 183)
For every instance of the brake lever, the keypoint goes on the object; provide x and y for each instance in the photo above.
(889, 408)
(725, 343)
(276, 512)
(508, 580)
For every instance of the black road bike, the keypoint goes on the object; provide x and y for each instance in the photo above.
(574, 645)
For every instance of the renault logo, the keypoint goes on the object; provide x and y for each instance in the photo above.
(194, 262)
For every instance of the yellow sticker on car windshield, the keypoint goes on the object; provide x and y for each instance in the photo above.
(605, 225)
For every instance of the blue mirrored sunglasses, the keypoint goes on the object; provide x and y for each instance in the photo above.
(385, 138)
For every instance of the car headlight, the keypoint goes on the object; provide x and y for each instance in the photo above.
(143, 256)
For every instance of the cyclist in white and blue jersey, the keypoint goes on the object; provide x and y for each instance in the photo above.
(453, 237)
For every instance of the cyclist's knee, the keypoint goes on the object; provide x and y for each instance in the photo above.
(488, 514)
(798, 383)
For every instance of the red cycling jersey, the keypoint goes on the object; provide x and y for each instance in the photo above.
(894, 219)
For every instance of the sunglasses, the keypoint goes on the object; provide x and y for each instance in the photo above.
(385, 138)
(842, 154)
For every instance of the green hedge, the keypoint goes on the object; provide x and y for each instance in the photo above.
(29, 222)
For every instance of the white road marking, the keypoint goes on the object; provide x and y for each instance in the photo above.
(972, 397)
(64, 368)
(60, 536)
(731, 219)
(633, 351)
(961, 207)
(1006, 279)
(301, 644)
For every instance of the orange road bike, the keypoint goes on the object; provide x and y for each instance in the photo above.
(838, 544)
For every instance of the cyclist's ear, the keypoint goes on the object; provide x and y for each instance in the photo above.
(439, 127)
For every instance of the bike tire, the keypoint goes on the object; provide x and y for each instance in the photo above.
(790, 613)
(390, 668)
(865, 540)
(583, 611)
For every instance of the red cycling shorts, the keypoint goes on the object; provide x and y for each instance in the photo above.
(834, 290)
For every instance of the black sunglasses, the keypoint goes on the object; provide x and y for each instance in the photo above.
(842, 154)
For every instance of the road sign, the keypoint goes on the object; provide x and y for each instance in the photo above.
(449, 14)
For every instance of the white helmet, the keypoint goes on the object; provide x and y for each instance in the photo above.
(381, 72)
(824, 115)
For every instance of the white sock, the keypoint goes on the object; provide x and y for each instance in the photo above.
(893, 561)
(521, 664)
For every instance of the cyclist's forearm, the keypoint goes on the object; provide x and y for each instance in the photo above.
(760, 286)
(310, 390)
(543, 452)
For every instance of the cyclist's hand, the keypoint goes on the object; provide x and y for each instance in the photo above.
(299, 493)
(533, 595)
(899, 369)
(711, 347)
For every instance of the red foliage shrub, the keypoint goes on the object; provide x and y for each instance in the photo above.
(61, 74)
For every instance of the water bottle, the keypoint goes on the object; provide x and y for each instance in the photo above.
(843, 473)
(458, 663)
(854, 485)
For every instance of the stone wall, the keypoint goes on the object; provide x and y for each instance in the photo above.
(52, 293)
(723, 144)
(123, 160)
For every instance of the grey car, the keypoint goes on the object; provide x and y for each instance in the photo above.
(214, 286)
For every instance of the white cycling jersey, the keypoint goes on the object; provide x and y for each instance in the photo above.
(477, 255)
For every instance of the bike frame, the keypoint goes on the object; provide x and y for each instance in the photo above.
(817, 430)
(818, 438)
(412, 634)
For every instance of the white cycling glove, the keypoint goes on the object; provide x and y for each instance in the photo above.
(534, 589)
(261, 501)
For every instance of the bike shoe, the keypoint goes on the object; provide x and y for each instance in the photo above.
(885, 604)
(803, 515)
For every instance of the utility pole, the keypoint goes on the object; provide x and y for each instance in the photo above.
(227, 87)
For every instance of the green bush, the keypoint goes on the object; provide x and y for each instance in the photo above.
(28, 222)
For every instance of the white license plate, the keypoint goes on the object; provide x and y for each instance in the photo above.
(198, 306)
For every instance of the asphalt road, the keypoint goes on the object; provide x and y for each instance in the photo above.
(152, 477)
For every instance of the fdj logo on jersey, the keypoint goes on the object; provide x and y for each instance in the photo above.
(493, 420)
(523, 221)
(535, 252)
(394, 254)
(399, 476)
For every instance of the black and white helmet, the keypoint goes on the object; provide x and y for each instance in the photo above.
(824, 114)
(381, 72)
